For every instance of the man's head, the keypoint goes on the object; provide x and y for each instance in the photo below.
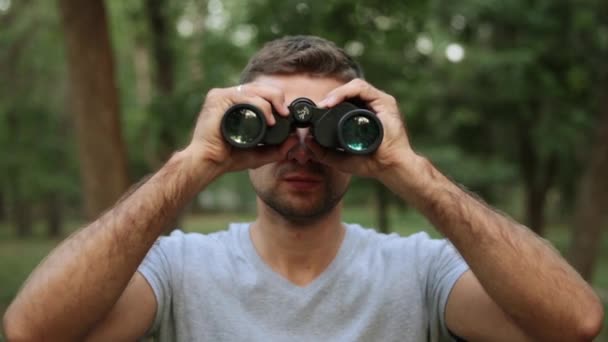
(298, 188)
(308, 55)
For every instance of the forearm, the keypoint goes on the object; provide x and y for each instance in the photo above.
(522, 273)
(79, 282)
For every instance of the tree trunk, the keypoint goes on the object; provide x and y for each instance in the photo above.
(141, 66)
(538, 178)
(53, 215)
(23, 218)
(2, 206)
(94, 102)
(161, 27)
(591, 215)
(21, 207)
(382, 208)
(160, 32)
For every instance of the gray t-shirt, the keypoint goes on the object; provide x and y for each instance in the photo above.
(378, 288)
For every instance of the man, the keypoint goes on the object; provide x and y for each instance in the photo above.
(297, 273)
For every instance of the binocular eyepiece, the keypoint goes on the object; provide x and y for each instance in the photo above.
(345, 127)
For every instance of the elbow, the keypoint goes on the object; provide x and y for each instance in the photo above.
(591, 323)
(15, 327)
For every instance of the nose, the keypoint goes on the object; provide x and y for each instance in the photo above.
(300, 153)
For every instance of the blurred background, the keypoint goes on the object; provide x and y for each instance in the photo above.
(508, 98)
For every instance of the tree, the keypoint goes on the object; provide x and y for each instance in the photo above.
(160, 24)
(34, 138)
(524, 90)
(591, 217)
(94, 103)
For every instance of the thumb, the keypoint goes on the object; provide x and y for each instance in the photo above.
(262, 155)
(339, 160)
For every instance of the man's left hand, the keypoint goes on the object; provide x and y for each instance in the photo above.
(395, 146)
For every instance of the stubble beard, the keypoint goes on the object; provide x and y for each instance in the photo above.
(299, 207)
(294, 211)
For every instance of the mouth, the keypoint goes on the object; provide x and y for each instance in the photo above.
(302, 181)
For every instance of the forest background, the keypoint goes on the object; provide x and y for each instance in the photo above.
(508, 98)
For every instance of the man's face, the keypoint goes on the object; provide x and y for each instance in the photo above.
(298, 188)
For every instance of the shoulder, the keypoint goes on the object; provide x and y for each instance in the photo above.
(180, 244)
(394, 243)
(418, 251)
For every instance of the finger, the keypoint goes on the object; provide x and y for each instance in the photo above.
(262, 155)
(272, 94)
(262, 104)
(354, 88)
(340, 160)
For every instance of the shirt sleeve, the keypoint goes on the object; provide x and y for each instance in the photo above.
(444, 266)
(157, 269)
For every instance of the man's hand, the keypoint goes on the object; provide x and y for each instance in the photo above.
(99, 261)
(207, 138)
(395, 145)
(518, 284)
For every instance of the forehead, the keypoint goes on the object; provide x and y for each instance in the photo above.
(294, 86)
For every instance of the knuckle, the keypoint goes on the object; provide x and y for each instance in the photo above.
(263, 105)
(277, 94)
(274, 93)
(359, 83)
(213, 93)
(251, 86)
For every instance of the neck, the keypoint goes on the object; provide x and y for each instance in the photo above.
(299, 251)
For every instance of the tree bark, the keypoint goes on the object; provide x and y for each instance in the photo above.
(160, 28)
(591, 213)
(53, 215)
(23, 218)
(538, 178)
(94, 103)
(382, 208)
(21, 209)
(2, 206)
(160, 32)
(141, 64)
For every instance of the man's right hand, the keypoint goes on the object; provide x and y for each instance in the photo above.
(88, 285)
(207, 140)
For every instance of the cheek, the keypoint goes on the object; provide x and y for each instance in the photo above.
(340, 180)
(262, 176)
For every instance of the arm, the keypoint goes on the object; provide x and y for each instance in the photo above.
(83, 287)
(79, 282)
(518, 281)
(521, 273)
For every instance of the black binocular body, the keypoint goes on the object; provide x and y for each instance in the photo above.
(345, 127)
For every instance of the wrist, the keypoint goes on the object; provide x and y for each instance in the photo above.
(410, 174)
(194, 162)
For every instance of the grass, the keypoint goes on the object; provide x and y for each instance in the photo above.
(19, 257)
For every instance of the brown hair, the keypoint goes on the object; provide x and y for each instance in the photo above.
(309, 55)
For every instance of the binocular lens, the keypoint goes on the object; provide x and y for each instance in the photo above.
(243, 127)
(360, 133)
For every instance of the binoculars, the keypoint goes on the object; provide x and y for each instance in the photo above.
(345, 127)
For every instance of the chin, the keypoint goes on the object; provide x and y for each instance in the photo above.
(303, 219)
(302, 210)
(301, 207)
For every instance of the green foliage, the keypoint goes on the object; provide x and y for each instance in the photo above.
(533, 72)
(38, 154)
